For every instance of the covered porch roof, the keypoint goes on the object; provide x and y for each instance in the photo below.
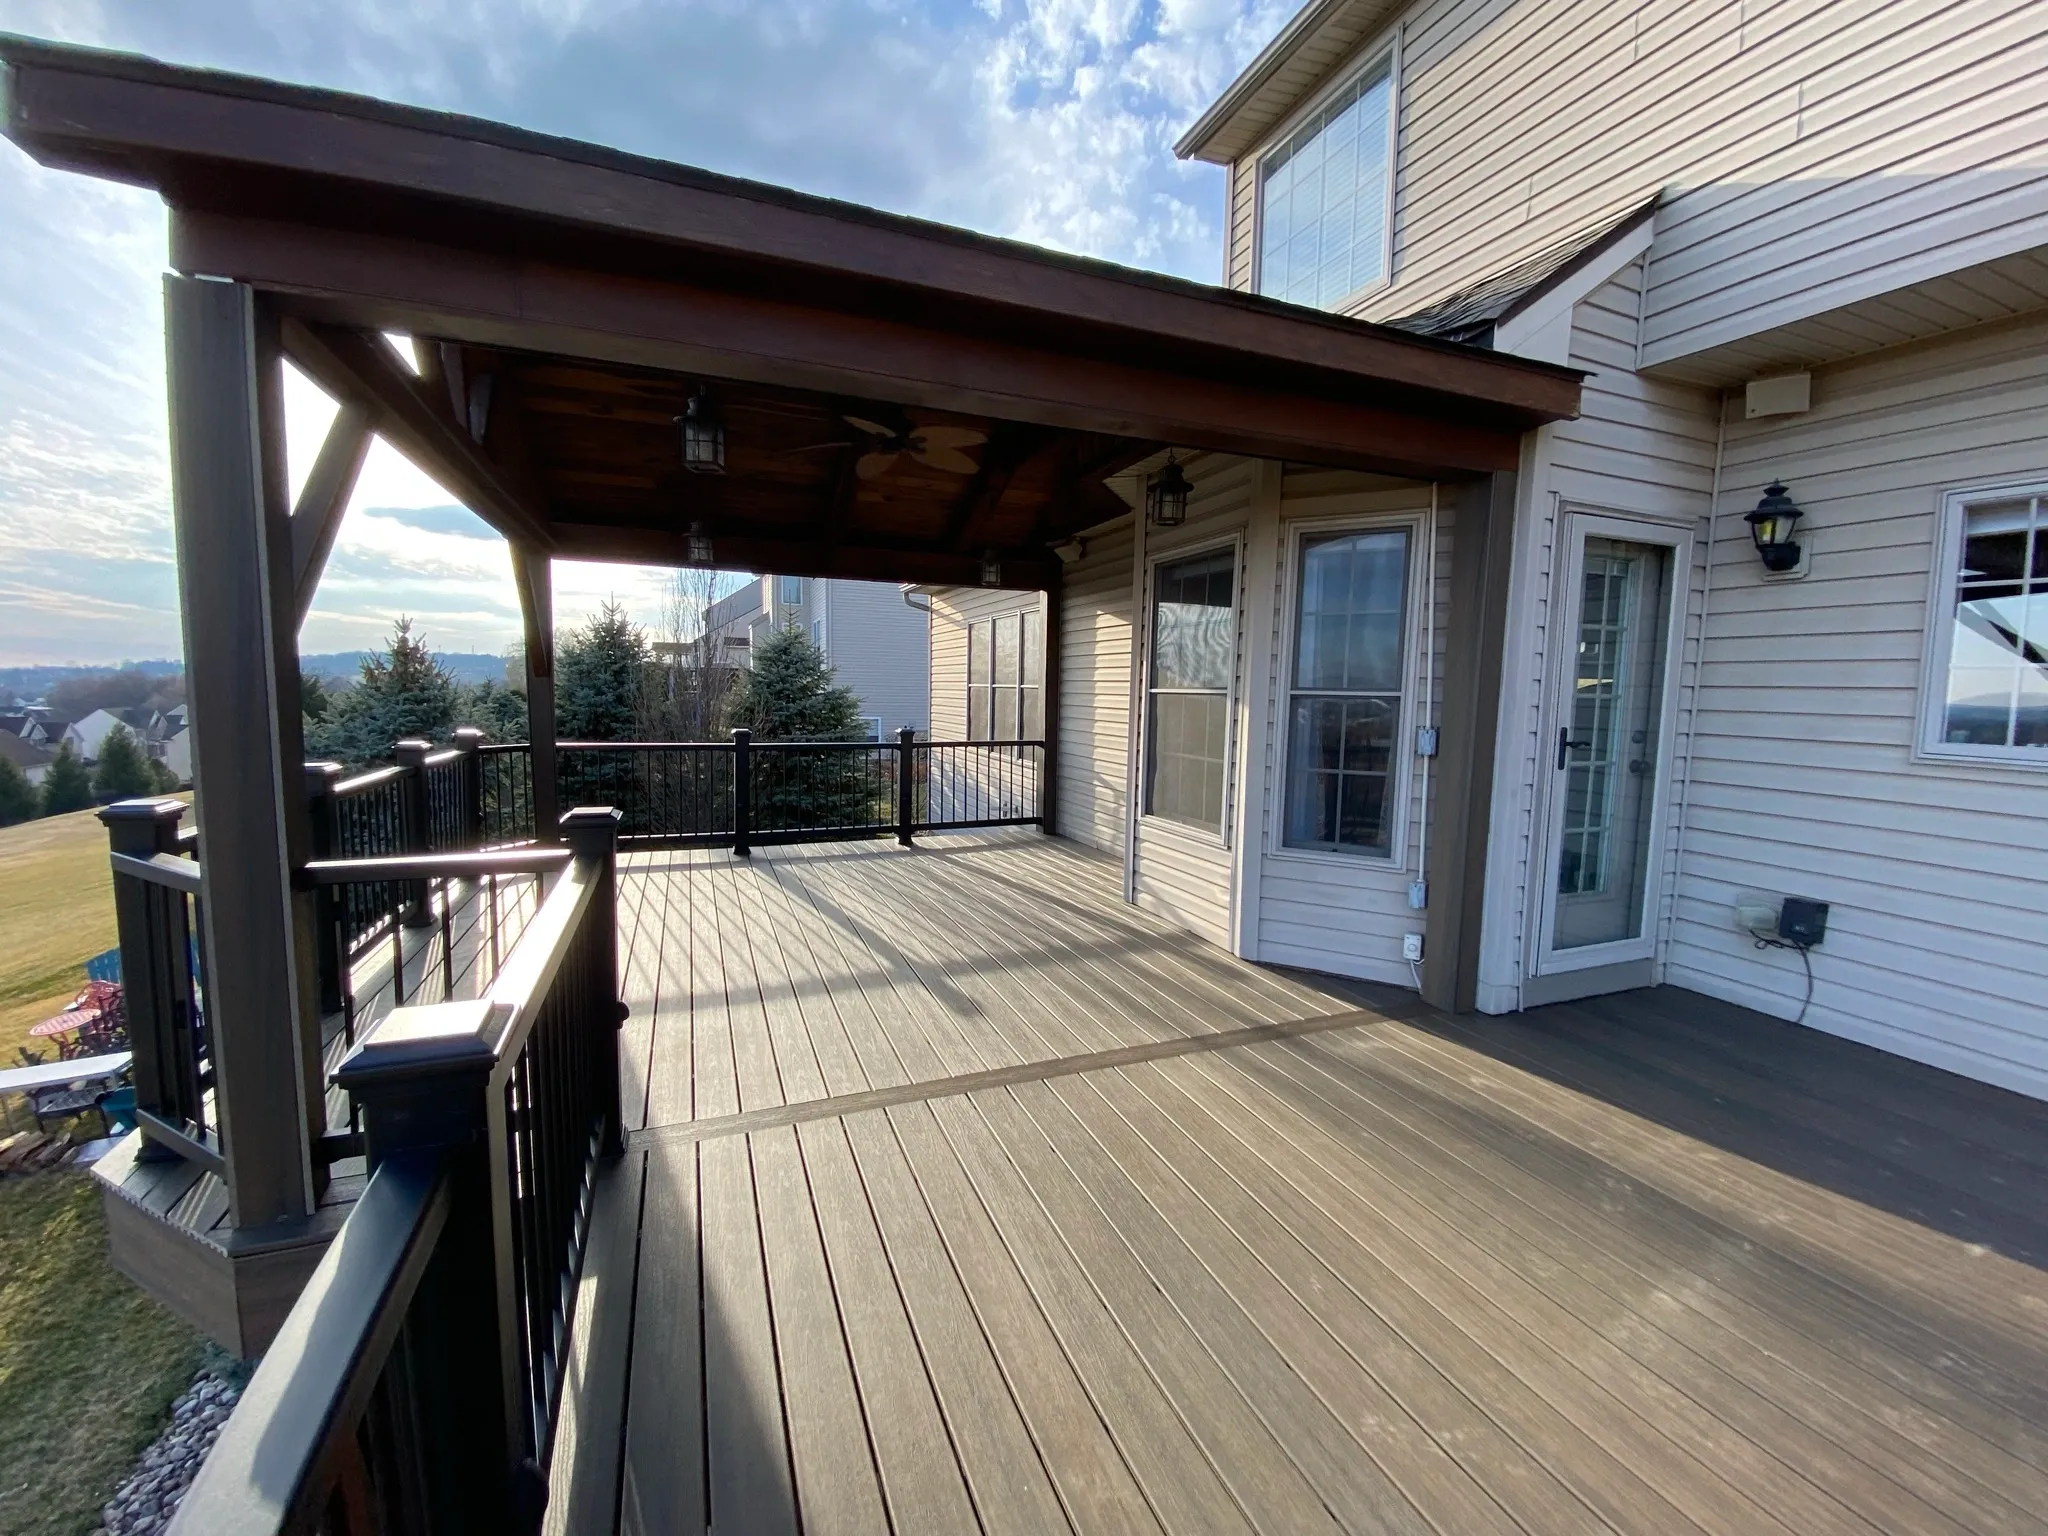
(569, 299)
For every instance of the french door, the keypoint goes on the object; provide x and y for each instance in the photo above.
(1606, 764)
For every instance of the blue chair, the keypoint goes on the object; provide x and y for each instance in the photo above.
(117, 1110)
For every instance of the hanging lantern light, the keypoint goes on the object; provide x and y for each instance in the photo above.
(703, 436)
(698, 546)
(1166, 496)
(991, 569)
(1772, 527)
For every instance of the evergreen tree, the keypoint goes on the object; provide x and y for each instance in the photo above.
(600, 678)
(18, 800)
(67, 786)
(315, 697)
(499, 712)
(402, 692)
(163, 780)
(122, 772)
(790, 694)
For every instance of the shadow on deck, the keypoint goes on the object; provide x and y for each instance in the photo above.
(965, 1197)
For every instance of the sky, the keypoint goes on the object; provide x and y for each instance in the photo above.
(1044, 120)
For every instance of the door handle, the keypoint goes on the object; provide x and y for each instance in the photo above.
(1566, 746)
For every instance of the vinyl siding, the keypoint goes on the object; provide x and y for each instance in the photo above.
(1184, 873)
(1814, 152)
(1639, 447)
(1329, 912)
(1804, 779)
(1095, 692)
(878, 647)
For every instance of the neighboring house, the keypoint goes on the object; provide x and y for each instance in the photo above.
(874, 640)
(174, 751)
(1802, 245)
(32, 759)
(52, 733)
(144, 723)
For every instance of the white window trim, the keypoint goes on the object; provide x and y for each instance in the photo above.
(1413, 639)
(1149, 824)
(1386, 46)
(1928, 747)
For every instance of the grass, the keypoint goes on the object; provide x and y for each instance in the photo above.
(88, 1364)
(56, 912)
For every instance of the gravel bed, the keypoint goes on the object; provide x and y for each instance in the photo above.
(146, 1501)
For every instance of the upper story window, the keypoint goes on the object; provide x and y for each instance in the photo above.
(1324, 196)
(1987, 692)
(789, 591)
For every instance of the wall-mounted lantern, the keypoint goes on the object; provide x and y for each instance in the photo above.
(703, 436)
(698, 545)
(1166, 496)
(1773, 525)
(991, 569)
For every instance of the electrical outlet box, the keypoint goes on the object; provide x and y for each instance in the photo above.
(1418, 894)
(1411, 946)
(1801, 922)
(1425, 742)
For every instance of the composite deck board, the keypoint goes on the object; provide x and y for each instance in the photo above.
(976, 1199)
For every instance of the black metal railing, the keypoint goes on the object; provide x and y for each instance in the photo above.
(156, 911)
(505, 794)
(744, 792)
(415, 1386)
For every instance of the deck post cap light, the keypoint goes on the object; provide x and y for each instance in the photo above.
(1772, 526)
(703, 436)
(1166, 496)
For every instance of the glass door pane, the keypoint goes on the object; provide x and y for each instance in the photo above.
(1608, 752)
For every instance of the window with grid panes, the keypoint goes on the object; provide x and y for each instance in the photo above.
(1187, 691)
(1990, 694)
(1324, 197)
(1005, 663)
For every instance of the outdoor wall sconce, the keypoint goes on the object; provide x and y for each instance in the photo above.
(703, 436)
(1772, 526)
(991, 569)
(1166, 496)
(698, 545)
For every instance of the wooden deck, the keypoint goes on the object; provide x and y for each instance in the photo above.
(964, 1197)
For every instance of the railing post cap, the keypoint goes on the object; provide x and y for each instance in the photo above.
(151, 808)
(468, 737)
(412, 750)
(324, 774)
(592, 823)
(426, 1040)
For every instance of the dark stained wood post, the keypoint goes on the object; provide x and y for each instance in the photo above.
(142, 829)
(467, 740)
(1482, 554)
(534, 577)
(742, 793)
(412, 754)
(592, 832)
(324, 843)
(906, 784)
(232, 515)
(1049, 712)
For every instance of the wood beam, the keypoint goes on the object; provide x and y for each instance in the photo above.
(800, 557)
(229, 504)
(316, 520)
(1009, 449)
(1482, 555)
(533, 576)
(511, 301)
(354, 365)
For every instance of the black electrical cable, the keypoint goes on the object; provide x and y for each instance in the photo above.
(1804, 959)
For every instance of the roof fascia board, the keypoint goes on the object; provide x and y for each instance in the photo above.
(1308, 21)
(1540, 326)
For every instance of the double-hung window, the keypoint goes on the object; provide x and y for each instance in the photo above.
(1194, 651)
(1345, 686)
(1005, 656)
(789, 591)
(1988, 666)
(1325, 195)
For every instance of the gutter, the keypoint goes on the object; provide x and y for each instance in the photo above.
(1307, 22)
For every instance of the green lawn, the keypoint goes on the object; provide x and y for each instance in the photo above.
(88, 1364)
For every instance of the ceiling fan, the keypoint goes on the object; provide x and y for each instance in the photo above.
(936, 447)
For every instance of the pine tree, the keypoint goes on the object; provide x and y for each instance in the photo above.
(499, 712)
(403, 692)
(18, 801)
(122, 772)
(601, 673)
(67, 786)
(791, 694)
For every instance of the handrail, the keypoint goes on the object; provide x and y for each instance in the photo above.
(172, 871)
(372, 779)
(291, 1439)
(467, 865)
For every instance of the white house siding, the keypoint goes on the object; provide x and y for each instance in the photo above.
(1328, 912)
(1640, 447)
(1183, 873)
(1804, 780)
(877, 645)
(1814, 152)
(1095, 691)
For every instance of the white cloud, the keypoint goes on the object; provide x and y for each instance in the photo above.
(1046, 120)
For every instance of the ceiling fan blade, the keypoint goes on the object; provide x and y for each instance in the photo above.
(872, 428)
(871, 465)
(950, 460)
(950, 437)
(817, 447)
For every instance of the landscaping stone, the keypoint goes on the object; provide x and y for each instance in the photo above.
(149, 1497)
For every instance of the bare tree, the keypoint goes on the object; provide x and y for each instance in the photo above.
(694, 679)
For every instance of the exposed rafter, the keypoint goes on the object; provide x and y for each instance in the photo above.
(317, 517)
